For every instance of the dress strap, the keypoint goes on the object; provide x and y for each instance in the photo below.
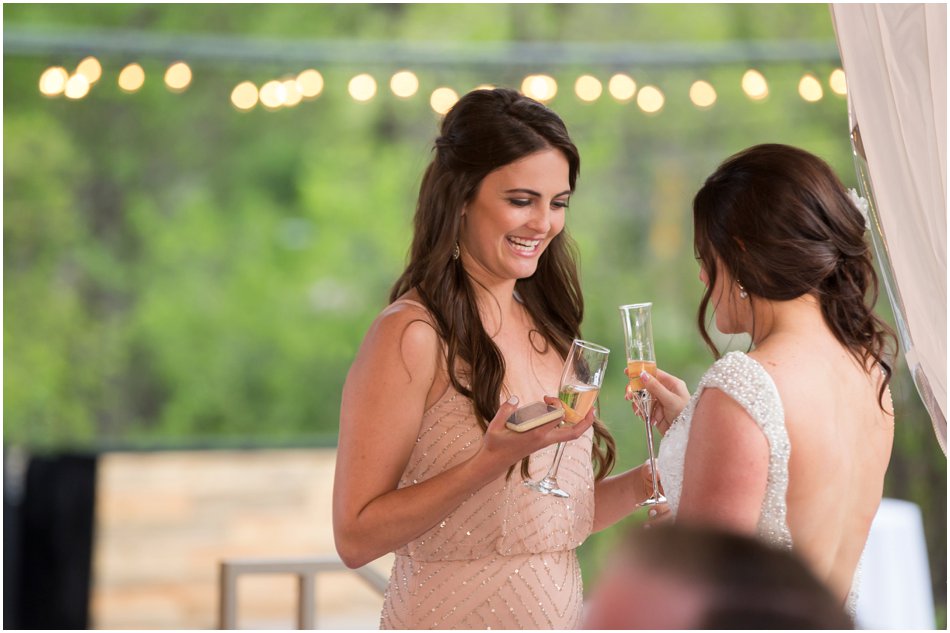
(745, 380)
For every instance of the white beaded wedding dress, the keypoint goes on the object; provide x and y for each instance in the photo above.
(744, 380)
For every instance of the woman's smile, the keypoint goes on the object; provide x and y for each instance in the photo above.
(524, 246)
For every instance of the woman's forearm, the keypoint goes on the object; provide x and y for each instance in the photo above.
(398, 516)
(365, 530)
(618, 496)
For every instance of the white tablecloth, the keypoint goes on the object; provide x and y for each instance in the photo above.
(895, 590)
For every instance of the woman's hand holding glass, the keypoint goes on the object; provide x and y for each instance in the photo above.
(670, 397)
(581, 380)
(502, 447)
(637, 323)
(658, 513)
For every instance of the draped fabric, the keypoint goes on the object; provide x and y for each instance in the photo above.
(895, 60)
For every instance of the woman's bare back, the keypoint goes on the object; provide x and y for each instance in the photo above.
(841, 442)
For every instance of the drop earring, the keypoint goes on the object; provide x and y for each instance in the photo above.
(742, 293)
(456, 252)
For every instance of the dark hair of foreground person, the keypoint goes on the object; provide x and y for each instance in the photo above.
(676, 576)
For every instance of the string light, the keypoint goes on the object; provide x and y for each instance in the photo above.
(131, 78)
(278, 93)
(292, 95)
(541, 88)
(702, 94)
(272, 94)
(362, 87)
(77, 87)
(178, 77)
(838, 83)
(310, 83)
(90, 68)
(404, 84)
(443, 99)
(754, 85)
(244, 96)
(810, 88)
(650, 99)
(622, 87)
(53, 81)
(588, 88)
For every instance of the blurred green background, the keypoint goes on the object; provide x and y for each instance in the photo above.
(181, 273)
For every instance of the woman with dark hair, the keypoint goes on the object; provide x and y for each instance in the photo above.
(790, 441)
(480, 320)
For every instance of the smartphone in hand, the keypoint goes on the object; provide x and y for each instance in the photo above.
(533, 415)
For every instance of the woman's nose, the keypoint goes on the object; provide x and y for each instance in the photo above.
(540, 220)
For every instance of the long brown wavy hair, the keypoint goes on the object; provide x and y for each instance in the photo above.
(486, 130)
(781, 222)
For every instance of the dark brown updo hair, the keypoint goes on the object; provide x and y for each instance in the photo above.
(780, 221)
(486, 130)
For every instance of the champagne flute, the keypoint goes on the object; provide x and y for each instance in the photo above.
(638, 340)
(581, 379)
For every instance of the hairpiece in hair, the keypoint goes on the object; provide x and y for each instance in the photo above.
(862, 204)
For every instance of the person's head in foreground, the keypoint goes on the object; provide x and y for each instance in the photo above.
(675, 576)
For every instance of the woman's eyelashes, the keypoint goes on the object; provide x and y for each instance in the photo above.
(524, 202)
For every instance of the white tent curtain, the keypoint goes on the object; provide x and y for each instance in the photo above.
(895, 60)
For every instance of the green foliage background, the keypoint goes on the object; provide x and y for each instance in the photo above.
(178, 273)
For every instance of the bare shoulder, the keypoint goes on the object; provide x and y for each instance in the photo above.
(795, 367)
(404, 328)
(805, 369)
(397, 362)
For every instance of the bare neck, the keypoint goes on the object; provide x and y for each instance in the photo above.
(496, 304)
(800, 316)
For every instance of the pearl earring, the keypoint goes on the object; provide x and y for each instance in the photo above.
(456, 252)
(742, 293)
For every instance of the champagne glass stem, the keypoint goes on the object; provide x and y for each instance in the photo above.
(644, 402)
(552, 471)
(548, 485)
(656, 489)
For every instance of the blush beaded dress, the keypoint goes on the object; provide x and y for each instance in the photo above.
(505, 557)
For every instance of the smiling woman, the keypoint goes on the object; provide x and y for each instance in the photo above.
(480, 320)
(518, 210)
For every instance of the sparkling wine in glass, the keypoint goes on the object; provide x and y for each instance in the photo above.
(638, 340)
(581, 379)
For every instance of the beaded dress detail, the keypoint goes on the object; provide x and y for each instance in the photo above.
(744, 380)
(503, 559)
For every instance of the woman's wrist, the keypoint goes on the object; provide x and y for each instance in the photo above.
(632, 485)
(483, 467)
(643, 482)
